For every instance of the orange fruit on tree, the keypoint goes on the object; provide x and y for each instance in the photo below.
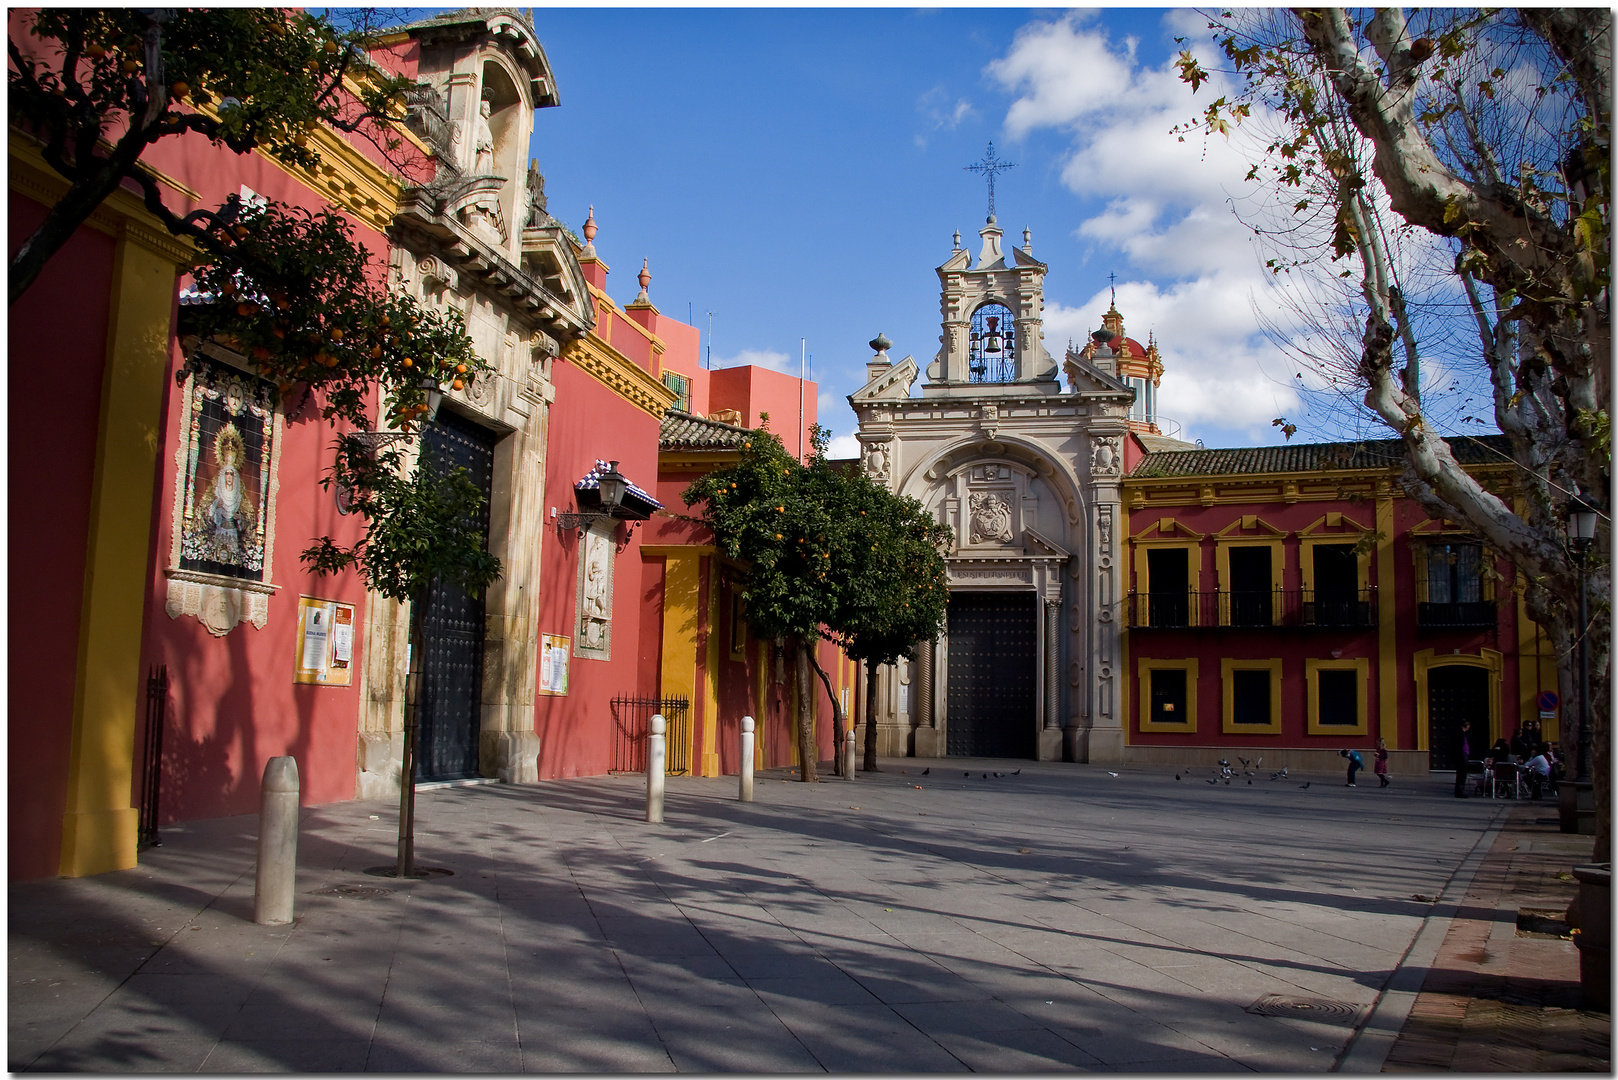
(131, 66)
(180, 89)
(376, 352)
(460, 369)
(95, 50)
(407, 362)
(456, 385)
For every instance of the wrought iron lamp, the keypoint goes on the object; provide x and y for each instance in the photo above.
(611, 486)
(375, 440)
(1581, 533)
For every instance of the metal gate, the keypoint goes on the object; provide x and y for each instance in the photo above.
(992, 671)
(632, 724)
(1456, 692)
(448, 716)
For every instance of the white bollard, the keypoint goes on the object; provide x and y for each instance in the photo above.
(745, 791)
(848, 755)
(277, 842)
(656, 751)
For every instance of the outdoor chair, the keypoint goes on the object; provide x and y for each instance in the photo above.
(1506, 780)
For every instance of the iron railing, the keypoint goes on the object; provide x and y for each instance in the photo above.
(1336, 609)
(157, 705)
(632, 725)
(1466, 614)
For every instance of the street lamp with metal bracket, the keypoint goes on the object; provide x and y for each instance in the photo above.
(1581, 533)
(610, 486)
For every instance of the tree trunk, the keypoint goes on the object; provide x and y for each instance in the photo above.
(808, 753)
(407, 764)
(869, 764)
(836, 716)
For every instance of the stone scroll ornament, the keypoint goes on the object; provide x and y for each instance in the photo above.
(876, 461)
(1104, 456)
(991, 519)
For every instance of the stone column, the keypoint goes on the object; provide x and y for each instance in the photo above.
(928, 743)
(1101, 740)
(1050, 734)
(1053, 655)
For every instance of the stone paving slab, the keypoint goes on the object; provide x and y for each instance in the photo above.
(1056, 917)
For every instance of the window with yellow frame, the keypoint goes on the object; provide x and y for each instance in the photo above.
(1338, 696)
(1252, 696)
(1168, 695)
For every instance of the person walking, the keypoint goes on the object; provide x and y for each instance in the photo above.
(1463, 751)
(1355, 764)
(1381, 765)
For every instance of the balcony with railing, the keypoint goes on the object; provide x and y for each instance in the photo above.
(1333, 609)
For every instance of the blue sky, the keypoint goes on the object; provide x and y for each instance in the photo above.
(799, 173)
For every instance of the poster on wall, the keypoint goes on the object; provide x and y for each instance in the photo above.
(325, 642)
(554, 650)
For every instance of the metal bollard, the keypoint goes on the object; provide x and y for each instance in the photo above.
(848, 755)
(745, 791)
(656, 751)
(277, 842)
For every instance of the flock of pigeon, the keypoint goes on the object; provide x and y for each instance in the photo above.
(1225, 773)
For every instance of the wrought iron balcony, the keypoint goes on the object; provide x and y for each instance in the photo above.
(1268, 609)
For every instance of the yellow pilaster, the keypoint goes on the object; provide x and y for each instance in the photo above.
(1387, 644)
(709, 766)
(680, 581)
(99, 826)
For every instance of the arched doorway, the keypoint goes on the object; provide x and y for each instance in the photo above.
(1455, 692)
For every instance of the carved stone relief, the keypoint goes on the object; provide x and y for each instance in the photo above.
(990, 518)
(1105, 459)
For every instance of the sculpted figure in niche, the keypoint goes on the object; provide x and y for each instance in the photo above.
(991, 518)
(483, 140)
(225, 516)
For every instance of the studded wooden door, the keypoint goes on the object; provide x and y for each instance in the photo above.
(449, 716)
(993, 664)
(1456, 692)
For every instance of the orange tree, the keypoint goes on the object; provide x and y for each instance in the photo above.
(830, 555)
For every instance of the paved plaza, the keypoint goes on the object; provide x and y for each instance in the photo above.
(927, 918)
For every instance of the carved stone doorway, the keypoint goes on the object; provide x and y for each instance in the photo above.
(993, 672)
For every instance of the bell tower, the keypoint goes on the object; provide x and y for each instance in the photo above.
(993, 319)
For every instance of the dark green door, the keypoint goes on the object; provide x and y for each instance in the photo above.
(992, 668)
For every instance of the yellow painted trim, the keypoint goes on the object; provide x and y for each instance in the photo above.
(1427, 659)
(1422, 537)
(1387, 632)
(710, 679)
(1315, 535)
(344, 176)
(1147, 665)
(761, 676)
(121, 215)
(603, 300)
(1227, 667)
(618, 373)
(1335, 485)
(681, 584)
(1278, 568)
(677, 550)
(1124, 684)
(696, 460)
(99, 825)
(1311, 674)
(1191, 544)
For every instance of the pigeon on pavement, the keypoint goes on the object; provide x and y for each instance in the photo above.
(1111, 773)
(1302, 786)
(1176, 776)
(1017, 773)
(927, 770)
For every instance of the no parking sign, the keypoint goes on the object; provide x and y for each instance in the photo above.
(1548, 701)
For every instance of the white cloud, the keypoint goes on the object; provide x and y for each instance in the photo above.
(942, 113)
(843, 446)
(1165, 211)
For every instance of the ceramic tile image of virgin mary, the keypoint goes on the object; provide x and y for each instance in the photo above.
(222, 533)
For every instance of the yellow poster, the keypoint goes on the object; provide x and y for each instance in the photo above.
(325, 642)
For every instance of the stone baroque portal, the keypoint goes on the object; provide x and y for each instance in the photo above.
(1027, 475)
